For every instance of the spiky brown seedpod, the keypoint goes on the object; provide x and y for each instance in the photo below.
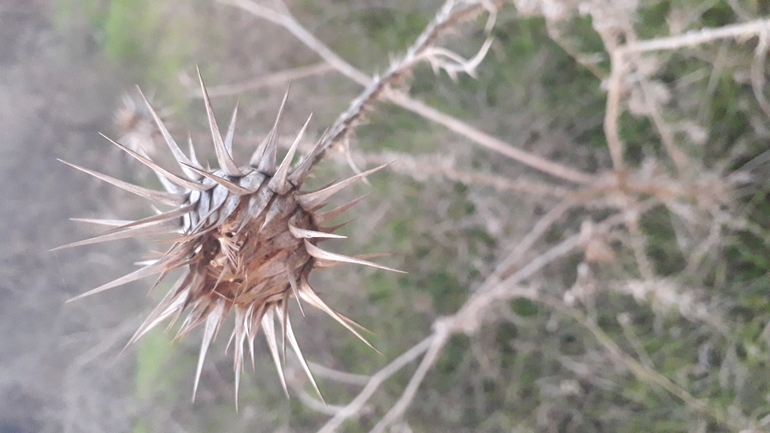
(245, 238)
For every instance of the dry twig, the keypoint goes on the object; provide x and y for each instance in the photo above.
(451, 14)
(280, 78)
(506, 282)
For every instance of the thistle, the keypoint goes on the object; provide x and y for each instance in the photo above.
(245, 239)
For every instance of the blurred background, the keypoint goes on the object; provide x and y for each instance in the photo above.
(661, 325)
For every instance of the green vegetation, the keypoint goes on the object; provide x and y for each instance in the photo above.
(155, 375)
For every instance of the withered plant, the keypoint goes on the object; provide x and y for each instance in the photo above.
(249, 235)
(245, 237)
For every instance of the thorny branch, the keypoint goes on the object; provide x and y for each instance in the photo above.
(508, 280)
(698, 37)
(451, 14)
(353, 408)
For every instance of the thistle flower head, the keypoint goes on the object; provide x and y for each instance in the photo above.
(245, 239)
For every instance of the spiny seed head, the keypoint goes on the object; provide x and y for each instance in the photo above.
(245, 238)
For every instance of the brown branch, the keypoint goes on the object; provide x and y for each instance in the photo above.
(452, 13)
(352, 408)
(697, 37)
(489, 142)
(422, 167)
(439, 340)
(507, 281)
(613, 111)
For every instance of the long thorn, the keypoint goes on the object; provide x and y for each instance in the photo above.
(226, 162)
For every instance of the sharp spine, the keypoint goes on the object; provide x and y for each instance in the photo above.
(321, 218)
(279, 183)
(184, 183)
(230, 186)
(157, 196)
(226, 162)
(231, 130)
(268, 325)
(265, 155)
(157, 228)
(170, 142)
(312, 234)
(314, 199)
(212, 323)
(326, 255)
(301, 171)
(311, 297)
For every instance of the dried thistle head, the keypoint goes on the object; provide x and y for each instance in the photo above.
(245, 237)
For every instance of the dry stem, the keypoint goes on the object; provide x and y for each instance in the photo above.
(506, 282)
(697, 37)
(276, 79)
(451, 14)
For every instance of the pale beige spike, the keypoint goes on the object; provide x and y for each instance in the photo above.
(170, 305)
(337, 226)
(239, 333)
(295, 346)
(356, 324)
(264, 157)
(157, 228)
(321, 218)
(300, 172)
(232, 187)
(293, 283)
(326, 255)
(224, 158)
(170, 215)
(313, 199)
(197, 316)
(259, 152)
(268, 327)
(193, 158)
(232, 334)
(193, 287)
(321, 264)
(178, 154)
(102, 222)
(253, 328)
(231, 130)
(133, 276)
(311, 234)
(212, 324)
(184, 183)
(279, 183)
(161, 313)
(283, 313)
(150, 194)
(311, 297)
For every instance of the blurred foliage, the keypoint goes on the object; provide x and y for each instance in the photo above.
(535, 369)
(149, 41)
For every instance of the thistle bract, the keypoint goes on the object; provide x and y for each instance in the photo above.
(244, 237)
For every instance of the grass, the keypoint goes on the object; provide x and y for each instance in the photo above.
(154, 376)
